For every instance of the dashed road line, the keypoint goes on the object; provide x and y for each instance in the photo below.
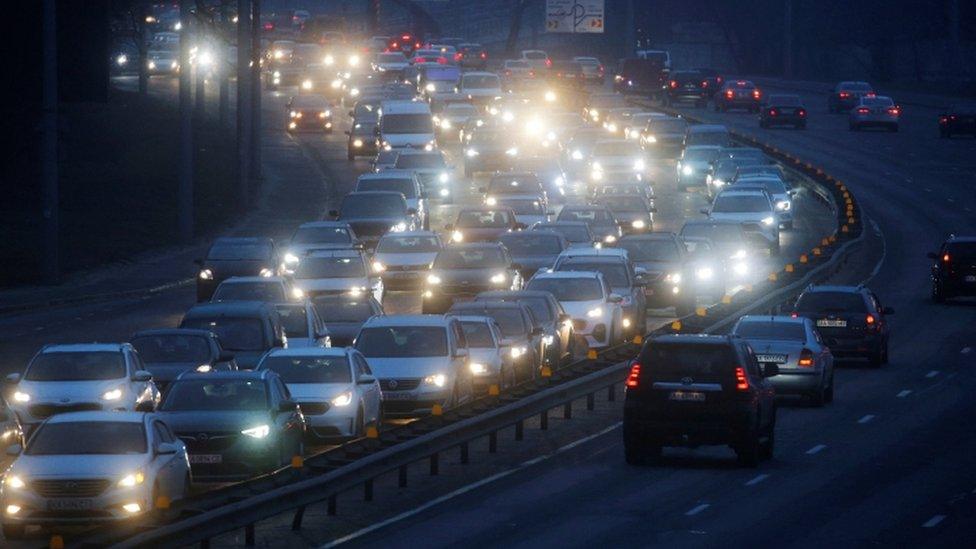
(816, 449)
(933, 522)
(932, 374)
(965, 350)
(697, 509)
(866, 418)
(904, 393)
(756, 480)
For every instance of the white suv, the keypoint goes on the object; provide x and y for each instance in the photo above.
(754, 209)
(586, 296)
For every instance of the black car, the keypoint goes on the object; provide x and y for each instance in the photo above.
(344, 315)
(471, 56)
(461, 271)
(667, 275)
(236, 256)
(534, 250)
(640, 76)
(309, 112)
(783, 110)
(958, 120)
(954, 268)
(566, 74)
(371, 214)
(234, 424)
(846, 95)
(363, 139)
(632, 212)
(850, 319)
(167, 353)
(487, 149)
(245, 328)
(664, 137)
(577, 233)
(738, 94)
(559, 341)
(687, 86)
(691, 390)
(711, 79)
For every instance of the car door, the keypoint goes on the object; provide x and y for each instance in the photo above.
(369, 393)
(169, 467)
(292, 424)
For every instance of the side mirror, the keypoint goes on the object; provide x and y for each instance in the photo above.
(142, 376)
(615, 298)
(334, 213)
(932, 255)
(704, 211)
(12, 379)
(225, 356)
(287, 406)
(888, 310)
(146, 406)
(366, 380)
(14, 450)
(165, 448)
(770, 369)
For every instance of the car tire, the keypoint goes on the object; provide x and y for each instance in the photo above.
(749, 450)
(13, 531)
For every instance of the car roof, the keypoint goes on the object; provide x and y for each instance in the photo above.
(484, 305)
(243, 240)
(324, 224)
(475, 318)
(225, 374)
(229, 308)
(309, 351)
(473, 245)
(568, 274)
(83, 347)
(407, 320)
(173, 332)
(387, 174)
(410, 233)
(336, 253)
(606, 253)
(98, 416)
(253, 279)
(774, 319)
(512, 294)
(650, 236)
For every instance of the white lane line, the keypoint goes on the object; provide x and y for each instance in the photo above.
(904, 393)
(932, 374)
(965, 350)
(816, 449)
(950, 199)
(934, 521)
(464, 489)
(757, 480)
(866, 418)
(695, 510)
(884, 252)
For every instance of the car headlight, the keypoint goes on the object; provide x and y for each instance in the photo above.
(437, 380)
(433, 279)
(353, 60)
(354, 92)
(114, 394)
(633, 134)
(609, 239)
(674, 278)
(718, 182)
(20, 396)
(783, 205)
(498, 278)
(507, 116)
(471, 153)
(446, 124)
(740, 268)
(639, 165)
(122, 59)
(357, 143)
(206, 274)
(596, 175)
(768, 221)
(297, 293)
(512, 151)
(650, 139)
(152, 65)
(306, 84)
(291, 258)
(594, 113)
(687, 170)
(345, 399)
(261, 431)
(550, 96)
(577, 155)
(132, 479)
(457, 236)
(378, 267)
(336, 84)
(325, 114)
(14, 482)
(266, 272)
(399, 227)
(548, 340)
(704, 273)
(443, 177)
(204, 368)
(478, 368)
(430, 87)
(491, 201)
(559, 181)
(444, 192)
(595, 312)
(739, 254)
(638, 224)
(329, 60)
(611, 127)
(517, 351)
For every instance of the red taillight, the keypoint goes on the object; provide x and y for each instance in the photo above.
(729, 93)
(718, 79)
(704, 83)
(395, 45)
(483, 55)
(756, 94)
(801, 113)
(741, 381)
(673, 84)
(548, 62)
(895, 111)
(458, 56)
(508, 72)
(633, 379)
(772, 112)
(869, 319)
(794, 314)
(863, 110)
(405, 37)
(946, 258)
(806, 358)
(600, 69)
(870, 94)
(441, 60)
(559, 75)
(844, 95)
(943, 119)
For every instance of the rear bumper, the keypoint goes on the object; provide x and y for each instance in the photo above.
(797, 383)
(685, 432)
(842, 346)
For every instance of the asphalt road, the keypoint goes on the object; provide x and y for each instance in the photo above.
(889, 463)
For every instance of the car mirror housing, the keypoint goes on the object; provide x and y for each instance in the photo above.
(366, 380)
(615, 298)
(142, 376)
(165, 448)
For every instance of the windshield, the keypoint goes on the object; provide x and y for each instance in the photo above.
(212, 395)
(516, 65)
(321, 235)
(229, 251)
(172, 348)
(586, 216)
(109, 438)
(365, 111)
(400, 185)
(475, 258)
(402, 342)
(568, 289)
(407, 123)
(447, 74)
(309, 102)
(623, 204)
(515, 184)
(719, 233)
(651, 250)
(613, 148)
(831, 302)
(877, 102)
(532, 244)
(522, 206)
(772, 186)
(703, 363)
(668, 125)
(309, 369)
(572, 233)
(510, 320)
(477, 334)
(342, 309)
(614, 273)
(420, 161)
(76, 366)
(235, 334)
(764, 329)
(267, 292)
(480, 81)
(740, 203)
(484, 219)
(460, 109)
(373, 205)
(408, 244)
(294, 319)
(700, 155)
(330, 267)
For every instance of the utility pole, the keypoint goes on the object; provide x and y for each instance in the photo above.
(50, 263)
(788, 39)
(221, 64)
(243, 98)
(185, 161)
(255, 142)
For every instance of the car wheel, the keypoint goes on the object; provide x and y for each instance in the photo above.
(13, 531)
(748, 450)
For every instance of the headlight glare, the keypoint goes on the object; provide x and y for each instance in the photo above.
(114, 394)
(596, 312)
(345, 399)
(132, 479)
(437, 380)
(261, 431)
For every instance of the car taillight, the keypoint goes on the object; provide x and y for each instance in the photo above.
(801, 113)
(395, 45)
(943, 119)
(729, 93)
(794, 314)
(633, 379)
(756, 94)
(483, 55)
(559, 75)
(870, 94)
(718, 79)
(704, 83)
(946, 258)
(458, 56)
(772, 112)
(863, 110)
(531, 73)
(894, 111)
(844, 95)
(405, 37)
(741, 381)
(674, 84)
(508, 72)
(869, 319)
(806, 358)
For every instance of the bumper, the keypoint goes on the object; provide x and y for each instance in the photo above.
(106, 507)
(843, 347)
(415, 403)
(403, 280)
(336, 422)
(957, 286)
(310, 125)
(241, 461)
(878, 120)
(596, 334)
(692, 432)
(789, 382)
(739, 103)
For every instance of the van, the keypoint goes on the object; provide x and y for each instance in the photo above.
(406, 124)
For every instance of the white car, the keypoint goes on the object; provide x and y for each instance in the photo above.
(88, 467)
(586, 297)
(403, 259)
(537, 59)
(614, 156)
(393, 61)
(302, 324)
(73, 378)
(489, 364)
(480, 87)
(334, 388)
(754, 209)
(778, 191)
(338, 272)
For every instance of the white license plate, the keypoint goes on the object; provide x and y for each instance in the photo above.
(970, 278)
(775, 359)
(206, 458)
(687, 396)
(69, 504)
(398, 396)
(831, 323)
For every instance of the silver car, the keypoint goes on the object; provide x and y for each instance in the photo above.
(877, 111)
(403, 259)
(89, 467)
(806, 366)
(338, 272)
(302, 324)
(489, 365)
(754, 209)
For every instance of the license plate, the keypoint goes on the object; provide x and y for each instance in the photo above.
(405, 275)
(206, 458)
(687, 396)
(70, 504)
(831, 323)
(387, 395)
(970, 278)
(775, 359)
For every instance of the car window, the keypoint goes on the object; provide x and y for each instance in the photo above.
(703, 363)
(752, 366)
(172, 348)
(88, 438)
(162, 433)
(235, 334)
(363, 366)
(216, 394)
(402, 342)
(79, 366)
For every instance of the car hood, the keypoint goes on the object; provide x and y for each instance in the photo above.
(405, 259)
(400, 367)
(657, 268)
(343, 331)
(168, 371)
(313, 285)
(211, 420)
(477, 277)
(317, 392)
(400, 140)
(67, 392)
(630, 217)
(374, 226)
(578, 309)
(744, 217)
(482, 233)
(78, 466)
(305, 249)
(530, 219)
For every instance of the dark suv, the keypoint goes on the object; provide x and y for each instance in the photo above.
(954, 270)
(691, 390)
(850, 319)
(687, 86)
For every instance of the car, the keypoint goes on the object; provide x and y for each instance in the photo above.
(559, 340)
(623, 277)
(471, 55)
(168, 352)
(334, 388)
(596, 313)
(234, 424)
(593, 70)
(344, 315)
(480, 88)
(521, 337)
(626, 184)
(514, 183)
(274, 289)
(245, 328)
(633, 125)
(86, 468)
(491, 362)
(487, 149)
(405, 43)
(433, 171)
(403, 259)
(528, 208)
(537, 59)
(750, 170)
(711, 79)
(599, 104)
(317, 236)
(483, 224)
(577, 233)
(422, 362)
(783, 110)
(707, 135)
(664, 137)
(514, 71)
(805, 363)
(81, 377)
(690, 86)
(601, 220)
(754, 208)
(615, 119)
(236, 256)
(723, 172)
(691, 390)
(364, 130)
(666, 269)
(953, 271)
(338, 272)
(430, 56)
(303, 326)
(549, 170)
(566, 74)
(405, 182)
(631, 211)
(438, 82)
(371, 214)
(778, 191)
(957, 120)
(309, 112)
(729, 250)
(460, 271)
(390, 62)
(695, 164)
(850, 319)
(406, 124)
(163, 56)
(10, 424)
(534, 250)
(847, 94)
(738, 94)
(641, 75)
(709, 272)
(452, 118)
(875, 111)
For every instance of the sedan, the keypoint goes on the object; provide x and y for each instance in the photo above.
(878, 111)
(596, 312)
(738, 94)
(783, 110)
(601, 220)
(309, 112)
(461, 271)
(169, 352)
(958, 120)
(483, 224)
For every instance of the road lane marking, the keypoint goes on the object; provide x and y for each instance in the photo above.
(904, 393)
(866, 418)
(932, 374)
(965, 350)
(465, 489)
(884, 252)
(934, 521)
(816, 449)
(757, 480)
(695, 510)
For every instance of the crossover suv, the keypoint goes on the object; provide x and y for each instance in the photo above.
(850, 319)
(954, 269)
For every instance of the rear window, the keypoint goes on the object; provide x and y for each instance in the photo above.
(669, 362)
(778, 331)
(961, 250)
(831, 302)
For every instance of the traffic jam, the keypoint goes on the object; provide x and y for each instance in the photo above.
(508, 217)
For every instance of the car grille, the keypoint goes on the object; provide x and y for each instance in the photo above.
(461, 289)
(42, 411)
(91, 514)
(399, 384)
(70, 488)
(208, 443)
(314, 408)
(405, 268)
